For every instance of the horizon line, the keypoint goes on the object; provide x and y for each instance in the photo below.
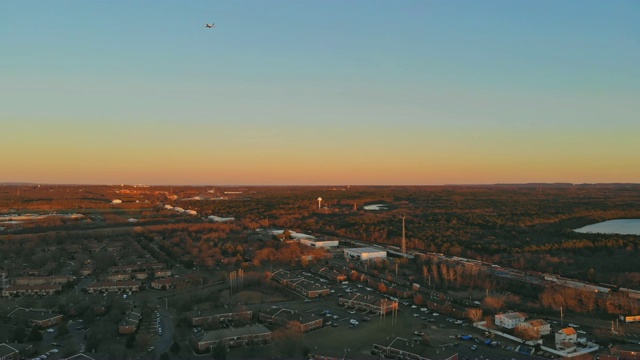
(17, 183)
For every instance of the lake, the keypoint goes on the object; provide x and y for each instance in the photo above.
(622, 227)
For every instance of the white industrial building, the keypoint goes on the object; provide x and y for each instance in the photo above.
(191, 212)
(319, 243)
(116, 202)
(220, 219)
(365, 253)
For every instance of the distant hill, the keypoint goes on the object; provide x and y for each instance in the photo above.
(16, 184)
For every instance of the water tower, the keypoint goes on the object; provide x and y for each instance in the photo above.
(319, 203)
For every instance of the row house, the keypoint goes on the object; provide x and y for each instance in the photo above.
(332, 275)
(163, 284)
(131, 268)
(86, 271)
(130, 323)
(118, 277)
(372, 303)
(290, 319)
(37, 317)
(209, 317)
(94, 246)
(284, 277)
(162, 273)
(73, 248)
(625, 351)
(113, 286)
(140, 275)
(400, 291)
(249, 335)
(43, 280)
(299, 284)
(32, 290)
(308, 288)
(509, 320)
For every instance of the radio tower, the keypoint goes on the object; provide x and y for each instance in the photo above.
(404, 241)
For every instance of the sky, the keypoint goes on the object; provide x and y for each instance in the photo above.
(322, 92)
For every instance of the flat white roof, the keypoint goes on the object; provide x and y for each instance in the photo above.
(365, 250)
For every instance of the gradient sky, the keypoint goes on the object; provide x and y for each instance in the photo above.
(319, 92)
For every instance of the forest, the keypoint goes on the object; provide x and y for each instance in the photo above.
(527, 226)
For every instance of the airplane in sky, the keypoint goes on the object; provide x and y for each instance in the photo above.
(209, 26)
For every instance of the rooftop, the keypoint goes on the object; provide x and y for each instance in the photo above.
(33, 314)
(365, 250)
(254, 329)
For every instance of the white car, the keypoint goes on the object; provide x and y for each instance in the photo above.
(50, 330)
(435, 314)
(574, 325)
(413, 306)
(353, 321)
(54, 350)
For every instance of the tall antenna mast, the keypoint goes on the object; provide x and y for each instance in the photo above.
(404, 241)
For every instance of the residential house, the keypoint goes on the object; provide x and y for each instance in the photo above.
(538, 326)
(163, 284)
(130, 323)
(509, 320)
(567, 334)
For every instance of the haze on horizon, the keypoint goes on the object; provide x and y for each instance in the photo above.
(320, 92)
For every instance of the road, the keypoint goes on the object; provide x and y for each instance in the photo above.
(164, 341)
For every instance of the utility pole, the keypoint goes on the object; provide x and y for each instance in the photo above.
(561, 317)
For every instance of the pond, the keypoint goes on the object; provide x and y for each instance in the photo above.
(621, 227)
